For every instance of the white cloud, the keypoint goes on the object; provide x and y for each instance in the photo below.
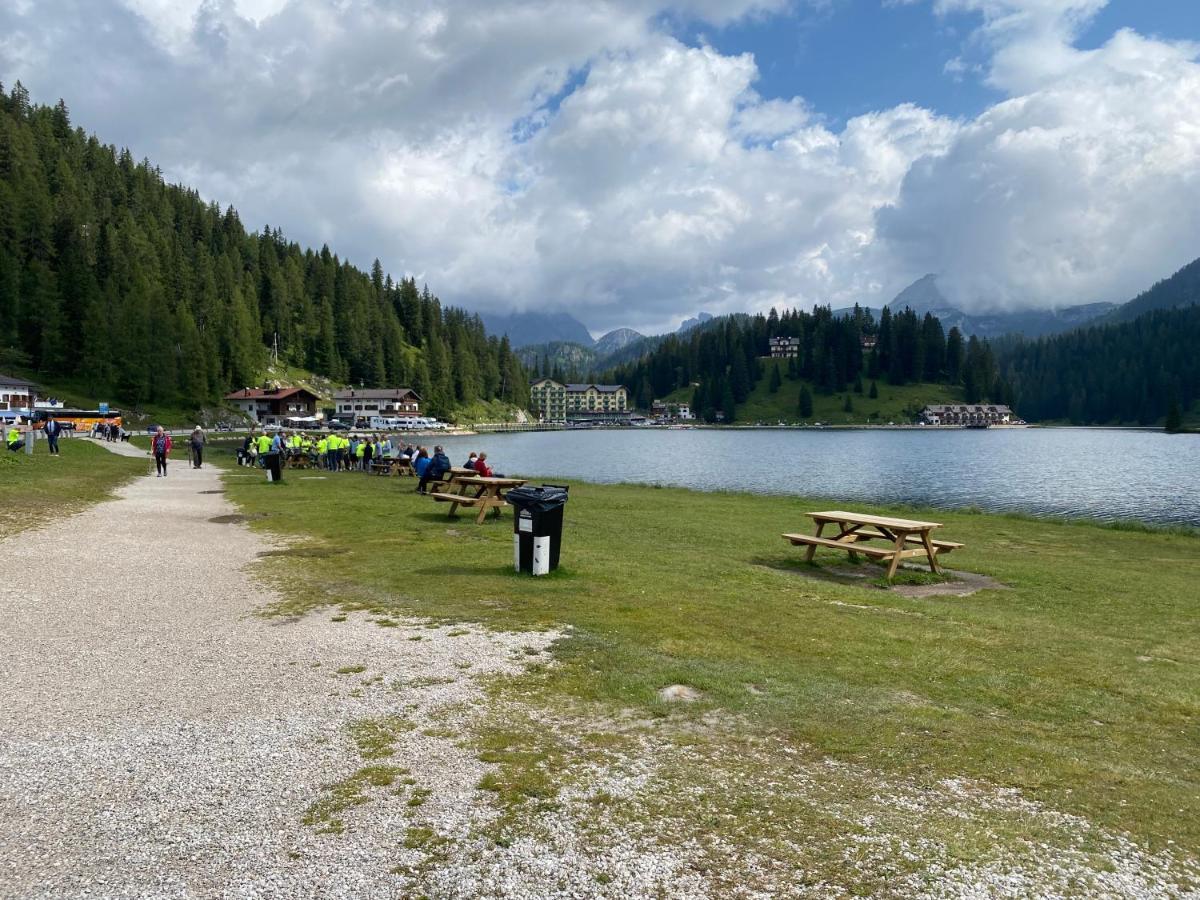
(1082, 190)
(568, 153)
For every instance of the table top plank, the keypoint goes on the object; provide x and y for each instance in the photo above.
(499, 482)
(864, 519)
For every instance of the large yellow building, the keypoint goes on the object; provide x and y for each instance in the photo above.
(552, 401)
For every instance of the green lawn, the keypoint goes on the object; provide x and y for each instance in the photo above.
(35, 489)
(894, 403)
(1078, 684)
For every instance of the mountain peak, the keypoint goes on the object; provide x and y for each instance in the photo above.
(525, 329)
(617, 339)
(689, 324)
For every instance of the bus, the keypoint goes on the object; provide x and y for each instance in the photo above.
(81, 420)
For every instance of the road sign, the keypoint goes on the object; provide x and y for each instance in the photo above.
(104, 409)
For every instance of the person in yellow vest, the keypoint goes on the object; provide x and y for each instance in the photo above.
(322, 451)
(360, 454)
(264, 447)
(14, 438)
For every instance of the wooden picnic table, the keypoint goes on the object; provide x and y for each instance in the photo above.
(487, 496)
(908, 538)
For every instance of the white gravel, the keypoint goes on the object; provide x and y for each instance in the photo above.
(157, 739)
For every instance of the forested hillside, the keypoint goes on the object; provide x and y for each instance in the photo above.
(142, 290)
(1125, 373)
(723, 358)
(1180, 290)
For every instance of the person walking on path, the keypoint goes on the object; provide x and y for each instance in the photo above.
(160, 446)
(197, 441)
(53, 431)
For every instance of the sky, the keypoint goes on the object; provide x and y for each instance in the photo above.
(634, 162)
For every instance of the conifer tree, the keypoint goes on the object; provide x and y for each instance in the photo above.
(805, 405)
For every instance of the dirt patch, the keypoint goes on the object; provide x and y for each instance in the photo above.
(961, 584)
(237, 518)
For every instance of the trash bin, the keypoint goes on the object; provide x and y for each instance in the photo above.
(274, 466)
(537, 527)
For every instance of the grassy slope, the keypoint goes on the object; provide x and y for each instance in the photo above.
(1076, 686)
(35, 489)
(889, 406)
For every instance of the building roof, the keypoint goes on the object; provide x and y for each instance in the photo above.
(579, 388)
(602, 388)
(400, 393)
(280, 393)
(963, 408)
(9, 381)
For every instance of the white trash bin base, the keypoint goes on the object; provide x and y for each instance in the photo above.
(541, 555)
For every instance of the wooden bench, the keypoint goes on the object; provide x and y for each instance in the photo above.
(940, 546)
(812, 540)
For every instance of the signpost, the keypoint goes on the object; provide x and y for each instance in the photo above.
(104, 409)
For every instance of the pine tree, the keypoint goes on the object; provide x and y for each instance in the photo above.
(848, 405)
(874, 392)
(805, 404)
(1174, 423)
(858, 384)
(776, 382)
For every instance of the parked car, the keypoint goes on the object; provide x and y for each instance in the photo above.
(337, 425)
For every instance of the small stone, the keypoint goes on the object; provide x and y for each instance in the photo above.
(679, 693)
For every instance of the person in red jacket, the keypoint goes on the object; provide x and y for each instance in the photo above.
(481, 466)
(160, 446)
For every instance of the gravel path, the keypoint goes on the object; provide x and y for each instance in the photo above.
(159, 739)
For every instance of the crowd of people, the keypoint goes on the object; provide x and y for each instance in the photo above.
(356, 453)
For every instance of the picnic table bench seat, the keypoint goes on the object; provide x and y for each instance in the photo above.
(942, 546)
(460, 499)
(813, 541)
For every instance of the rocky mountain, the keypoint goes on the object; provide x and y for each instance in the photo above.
(524, 329)
(617, 339)
(689, 324)
(924, 295)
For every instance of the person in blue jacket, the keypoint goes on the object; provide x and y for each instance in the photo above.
(438, 466)
(421, 463)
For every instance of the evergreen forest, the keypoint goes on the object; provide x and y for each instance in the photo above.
(1127, 373)
(722, 359)
(115, 280)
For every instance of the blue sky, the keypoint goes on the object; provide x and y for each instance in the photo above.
(851, 57)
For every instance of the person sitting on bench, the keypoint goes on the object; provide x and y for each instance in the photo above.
(439, 465)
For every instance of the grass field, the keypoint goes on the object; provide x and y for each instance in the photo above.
(894, 403)
(1077, 684)
(35, 489)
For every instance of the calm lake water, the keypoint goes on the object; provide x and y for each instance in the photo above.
(1095, 473)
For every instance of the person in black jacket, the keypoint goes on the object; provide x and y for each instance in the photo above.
(439, 465)
(53, 430)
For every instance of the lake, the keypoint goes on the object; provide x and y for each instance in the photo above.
(1076, 472)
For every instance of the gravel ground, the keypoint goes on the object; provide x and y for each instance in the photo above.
(159, 739)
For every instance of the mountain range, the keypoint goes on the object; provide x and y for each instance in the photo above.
(924, 295)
